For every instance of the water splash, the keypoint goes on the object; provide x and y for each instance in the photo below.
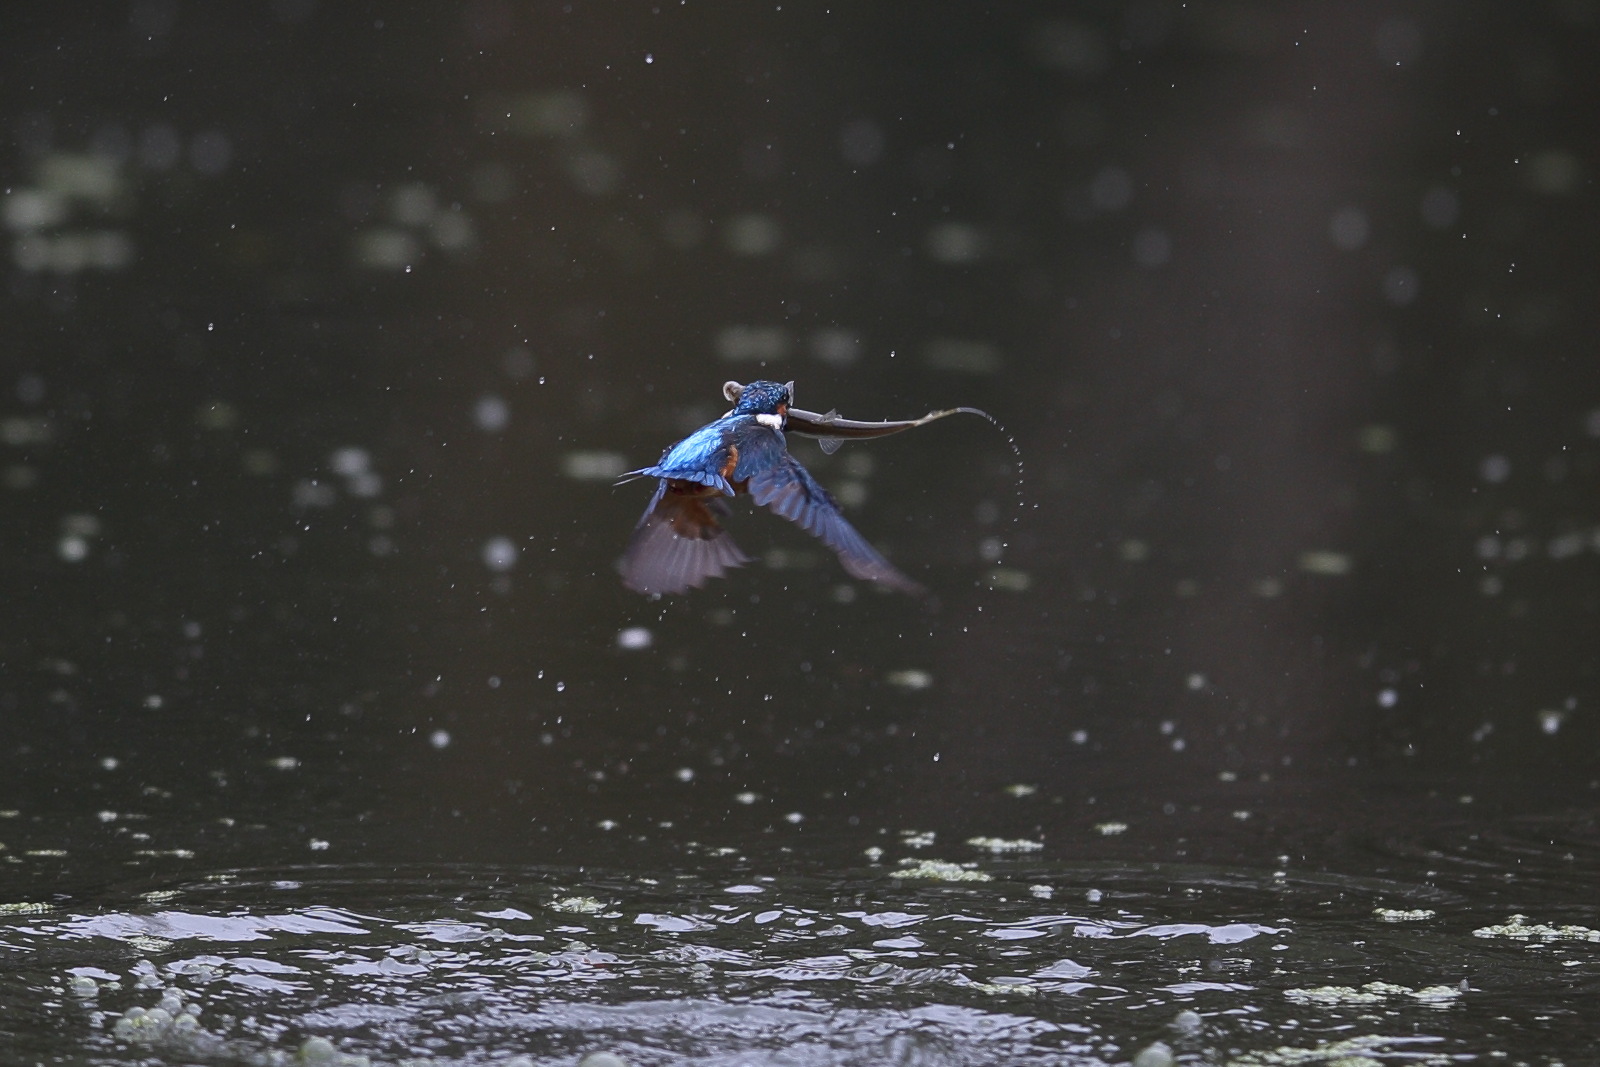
(1016, 452)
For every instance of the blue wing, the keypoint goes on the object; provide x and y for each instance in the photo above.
(789, 490)
(759, 449)
(719, 454)
(699, 458)
(679, 543)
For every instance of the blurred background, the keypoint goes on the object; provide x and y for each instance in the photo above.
(1264, 616)
(327, 328)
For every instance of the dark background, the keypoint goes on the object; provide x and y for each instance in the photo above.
(1289, 309)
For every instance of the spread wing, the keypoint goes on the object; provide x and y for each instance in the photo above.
(679, 543)
(720, 454)
(700, 457)
(788, 489)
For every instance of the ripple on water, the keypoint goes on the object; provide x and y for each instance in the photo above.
(466, 965)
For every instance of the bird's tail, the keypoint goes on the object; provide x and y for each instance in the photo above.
(679, 544)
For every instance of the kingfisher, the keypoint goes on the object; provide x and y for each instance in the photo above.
(679, 542)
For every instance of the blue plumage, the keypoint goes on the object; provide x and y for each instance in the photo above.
(744, 442)
(679, 542)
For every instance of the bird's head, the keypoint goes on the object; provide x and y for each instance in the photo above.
(760, 398)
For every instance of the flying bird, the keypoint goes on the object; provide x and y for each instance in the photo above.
(679, 542)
